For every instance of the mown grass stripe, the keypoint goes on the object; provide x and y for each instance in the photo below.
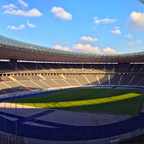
(90, 102)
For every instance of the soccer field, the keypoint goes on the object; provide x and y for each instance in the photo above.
(110, 101)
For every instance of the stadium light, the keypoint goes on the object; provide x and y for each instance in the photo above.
(142, 1)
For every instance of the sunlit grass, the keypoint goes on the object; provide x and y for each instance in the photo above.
(84, 102)
(90, 100)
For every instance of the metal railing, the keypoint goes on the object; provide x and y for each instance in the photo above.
(11, 139)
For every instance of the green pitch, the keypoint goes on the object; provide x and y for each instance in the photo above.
(112, 101)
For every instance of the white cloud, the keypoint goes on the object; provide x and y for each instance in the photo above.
(85, 48)
(131, 43)
(88, 39)
(109, 50)
(23, 3)
(136, 21)
(30, 25)
(138, 41)
(31, 13)
(16, 28)
(128, 36)
(61, 13)
(61, 48)
(10, 6)
(117, 27)
(116, 32)
(106, 20)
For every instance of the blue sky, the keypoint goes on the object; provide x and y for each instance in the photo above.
(91, 26)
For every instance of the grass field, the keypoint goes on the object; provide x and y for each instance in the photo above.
(112, 101)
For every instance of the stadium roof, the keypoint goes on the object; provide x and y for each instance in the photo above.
(13, 49)
(142, 1)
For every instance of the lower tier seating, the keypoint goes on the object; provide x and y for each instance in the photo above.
(10, 84)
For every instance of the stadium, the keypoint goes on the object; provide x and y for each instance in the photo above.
(56, 72)
(58, 97)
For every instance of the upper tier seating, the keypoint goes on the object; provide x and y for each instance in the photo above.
(34, 67)
(56, 68)
(6, 67)
(69, 68)
(87, 68)
(76, 68)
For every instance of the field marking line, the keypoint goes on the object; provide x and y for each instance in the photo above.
(105, 109)
(139, 102)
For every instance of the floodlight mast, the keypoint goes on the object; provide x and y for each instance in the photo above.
(142, 1)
